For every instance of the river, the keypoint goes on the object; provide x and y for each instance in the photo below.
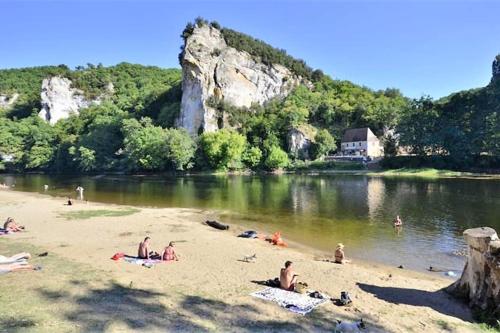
(317, 211)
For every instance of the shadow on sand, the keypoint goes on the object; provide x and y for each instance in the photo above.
(439, 300)
(136, 309)
(104, 308)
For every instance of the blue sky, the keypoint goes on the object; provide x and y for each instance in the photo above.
(420, 47)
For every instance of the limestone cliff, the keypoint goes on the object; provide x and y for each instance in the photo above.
(299, 141)
(213, 70)
(7, 101)
(59, 100)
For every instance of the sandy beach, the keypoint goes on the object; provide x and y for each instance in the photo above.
(81, 289)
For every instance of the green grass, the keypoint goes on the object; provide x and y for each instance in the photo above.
(34, 301)
(423, 172)
(88, 214)
(326, 165)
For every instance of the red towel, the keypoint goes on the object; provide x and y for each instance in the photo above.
(118, 256)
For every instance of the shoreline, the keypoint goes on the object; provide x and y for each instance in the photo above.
(236, 229)
(210, 269)
(424, 173)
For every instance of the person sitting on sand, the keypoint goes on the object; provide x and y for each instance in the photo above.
(70, 203)
(11, 225)
(340, 255)
(143, 252)
(398, 222)
(168, 253)
(288, 278)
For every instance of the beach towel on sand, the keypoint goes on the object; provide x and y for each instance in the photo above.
(295, 302)
(139, 261)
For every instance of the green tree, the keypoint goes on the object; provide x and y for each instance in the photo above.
(180, 148)
(276, 158)
(324, 143)
(252, 156)
(145, 145)
(223, 149)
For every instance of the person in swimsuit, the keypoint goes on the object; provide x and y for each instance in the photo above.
(288, 278)
(398, 222)
(11, 225)
(143, 251)
(168, 253)
(340, 255)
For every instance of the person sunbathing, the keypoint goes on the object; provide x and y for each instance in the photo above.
(340, 255)
(12, 226)
(143, 252)
(288, 278)
(15, 267)
(168, 253)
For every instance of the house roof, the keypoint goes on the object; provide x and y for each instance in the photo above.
(355, 134)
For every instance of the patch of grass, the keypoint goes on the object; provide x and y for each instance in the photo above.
(326, 165)
(423, 172)
(444, 325)
(23, 309)
(88, 214)
(487, 328)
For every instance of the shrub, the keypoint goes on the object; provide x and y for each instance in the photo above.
(252, 156)
(324, 143)
(223, 149)
(277, 158)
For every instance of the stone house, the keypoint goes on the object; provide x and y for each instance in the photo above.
(361, 142)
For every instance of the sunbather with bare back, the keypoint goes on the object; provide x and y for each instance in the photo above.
(288, 278)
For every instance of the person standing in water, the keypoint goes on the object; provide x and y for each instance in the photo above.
(79, 190)
(398, 222)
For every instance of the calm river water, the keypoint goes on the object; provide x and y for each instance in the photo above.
(316, 211)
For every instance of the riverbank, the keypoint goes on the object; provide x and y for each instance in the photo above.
(81, 289)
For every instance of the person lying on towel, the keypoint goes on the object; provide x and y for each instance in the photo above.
(168, 253)
(12, 226)
(288, 278)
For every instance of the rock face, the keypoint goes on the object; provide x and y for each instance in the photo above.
(212, 70)
(496, 67)
(480, 280)
(299, 141)
(8, 100)
(59, 100)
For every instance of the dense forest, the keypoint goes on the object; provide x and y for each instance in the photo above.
(133, 128)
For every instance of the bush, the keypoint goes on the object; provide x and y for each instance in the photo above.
(324, 143)
(252, 156)
(277, 158)
(223, 149)
(180, 148)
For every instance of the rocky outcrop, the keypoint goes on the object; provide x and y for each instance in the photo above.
(480, 280)
(7, 101)
(300, 140)
(212, 71)
(59, 100)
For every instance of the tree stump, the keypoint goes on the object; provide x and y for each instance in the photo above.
(480, 280)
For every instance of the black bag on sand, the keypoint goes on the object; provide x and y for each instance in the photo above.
(345, 299)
